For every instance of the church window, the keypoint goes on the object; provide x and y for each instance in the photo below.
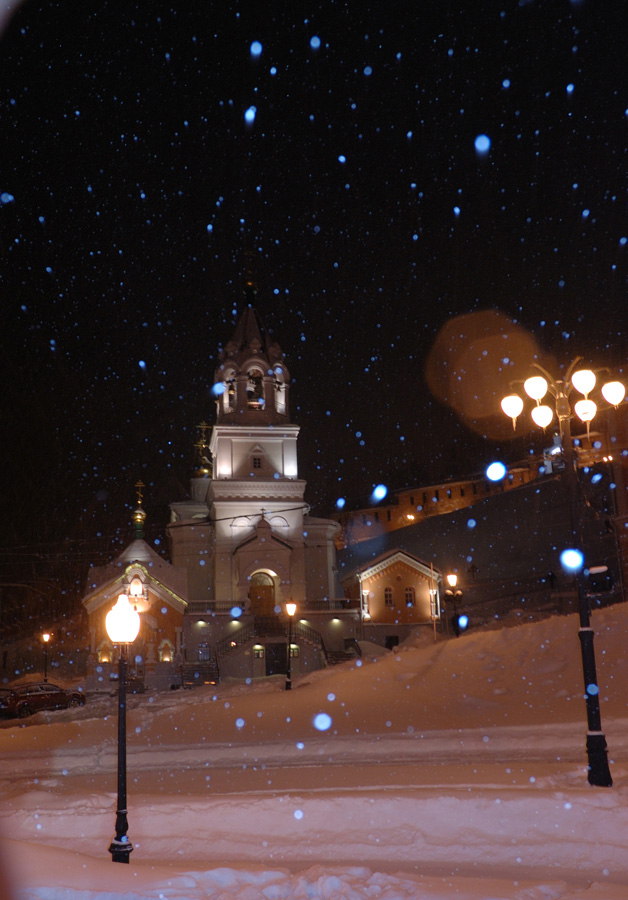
(255, 390)
(257, 462)
(280, 391)
(409, 595)
(203, 652)
(166, 651)
(388, 596)
(229, 393)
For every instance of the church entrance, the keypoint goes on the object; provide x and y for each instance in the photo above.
(276, 660)
(262, 594)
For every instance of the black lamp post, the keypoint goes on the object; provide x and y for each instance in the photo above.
(123, 625)
(291, 608)
(454, 595)
(45, 638)
(613, 392)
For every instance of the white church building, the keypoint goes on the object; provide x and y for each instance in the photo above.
(245, 536)
(251, 588)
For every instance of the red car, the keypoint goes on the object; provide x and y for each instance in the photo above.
(25, 699)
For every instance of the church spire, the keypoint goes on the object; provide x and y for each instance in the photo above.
(251, 383)
(139, 516)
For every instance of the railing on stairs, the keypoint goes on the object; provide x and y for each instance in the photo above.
(272, 626)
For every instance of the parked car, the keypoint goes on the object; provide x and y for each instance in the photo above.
(25, 699)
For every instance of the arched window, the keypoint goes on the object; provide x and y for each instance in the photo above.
(255, 390)
(388, 596)
(280, 390)
(409, 595)
(105, 652)
(229, 393)
(166, 651)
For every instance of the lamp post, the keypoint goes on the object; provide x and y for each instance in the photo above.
(291, 608)
(454, 595)
(45, 638)
(123, 625)
(537, 387)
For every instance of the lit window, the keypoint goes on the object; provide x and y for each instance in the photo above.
(294, 650)
(258, 651)
(409, 595)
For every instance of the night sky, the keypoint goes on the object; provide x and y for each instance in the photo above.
(132, 187)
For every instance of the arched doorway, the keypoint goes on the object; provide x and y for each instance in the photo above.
(262, 594)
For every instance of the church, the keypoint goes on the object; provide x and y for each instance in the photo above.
(252, 587)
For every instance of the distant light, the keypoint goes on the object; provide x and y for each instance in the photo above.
(572, 559)
(340, 503)
(597, 477)
(471, 523)
(236, 612)
(379, 492)
(342, 158)
(256, 48)
(368, 70)
(315, 42)
(482, 143)
(506, 83)
(456, 210)
(6, 197)
(142, 364)
(322, 722)
(570, 88)
(496, 471)
(249, 115)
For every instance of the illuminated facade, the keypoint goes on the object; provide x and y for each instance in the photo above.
(243, 546)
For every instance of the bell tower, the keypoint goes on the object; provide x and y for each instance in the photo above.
(251, 383)
(255, 496)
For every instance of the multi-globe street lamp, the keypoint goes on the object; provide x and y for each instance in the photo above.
(291, 608)
(538, 387)
(46, 638)
(123, 625)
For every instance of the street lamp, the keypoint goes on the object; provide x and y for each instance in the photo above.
(291, 608)
(123, 625)
(537, 388)
(454, 594)
(45, 638)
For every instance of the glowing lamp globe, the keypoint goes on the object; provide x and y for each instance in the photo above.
(535, 387)
(122, 622)
(452, 580)
(291, 608)
(584, 381)
(585, 410)
(512, 406)
(542, 415)
(613, 392)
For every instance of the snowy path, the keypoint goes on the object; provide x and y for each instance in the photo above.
(234, 794)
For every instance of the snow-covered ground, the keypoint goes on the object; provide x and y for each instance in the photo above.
(444, 770)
